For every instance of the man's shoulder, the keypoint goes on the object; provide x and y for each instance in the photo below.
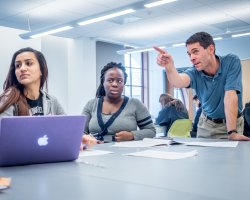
(230, 62)
(191, 68)
(191, 71)
(229, 57)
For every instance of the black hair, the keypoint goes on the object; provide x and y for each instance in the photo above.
(100, 91)
(195, 97)
(203, 38)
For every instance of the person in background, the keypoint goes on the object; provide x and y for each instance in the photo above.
(197, 115)
(246, 114)
(217, 81)
(172, 109)
(24, 93)
(113, 116)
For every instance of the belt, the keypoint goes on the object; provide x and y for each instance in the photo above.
(220, 120)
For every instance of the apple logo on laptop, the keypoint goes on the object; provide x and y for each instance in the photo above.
(43, 141)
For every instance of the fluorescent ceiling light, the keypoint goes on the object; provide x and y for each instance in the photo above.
(218, 38)
(240, 35)
(158, 3)
(105, 17)
(179, 44)
(51, 31)
(138, 50)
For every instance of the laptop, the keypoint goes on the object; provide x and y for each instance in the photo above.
(40, 139)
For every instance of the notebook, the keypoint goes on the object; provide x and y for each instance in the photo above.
(40, 139)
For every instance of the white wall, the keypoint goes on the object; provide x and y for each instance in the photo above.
(71, 63)
(81, 73)
(105, 53)
(72, 70)
(155, 85)
(55, 50)
(10, 43)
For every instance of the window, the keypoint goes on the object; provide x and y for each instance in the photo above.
(134, 85)
(179, 94)
(182, 93)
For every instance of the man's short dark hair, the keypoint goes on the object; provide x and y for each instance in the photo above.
(203, 38)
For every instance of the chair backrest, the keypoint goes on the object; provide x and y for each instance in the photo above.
(160, 130)
(180, 128)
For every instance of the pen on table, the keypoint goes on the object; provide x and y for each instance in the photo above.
(93, 134)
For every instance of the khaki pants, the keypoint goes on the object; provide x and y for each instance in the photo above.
(209, 129)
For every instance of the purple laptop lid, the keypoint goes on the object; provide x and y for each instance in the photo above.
(40, 139)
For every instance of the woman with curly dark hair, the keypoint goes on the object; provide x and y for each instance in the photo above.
(113, 116)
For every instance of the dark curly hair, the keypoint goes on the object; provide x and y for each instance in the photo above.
(100, 91)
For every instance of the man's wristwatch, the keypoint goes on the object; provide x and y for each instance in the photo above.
(232, 131)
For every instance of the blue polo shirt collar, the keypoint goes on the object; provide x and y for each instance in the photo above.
(217, 73)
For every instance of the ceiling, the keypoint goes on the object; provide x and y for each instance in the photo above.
(166, 24)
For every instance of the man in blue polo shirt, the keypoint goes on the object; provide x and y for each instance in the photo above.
(218, 83)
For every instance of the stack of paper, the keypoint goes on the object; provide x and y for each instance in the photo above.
(212, 144)
(163, 154)
(146, 142)
(150, 142)
(93, 152)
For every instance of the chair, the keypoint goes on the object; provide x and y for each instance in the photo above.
(160, 130)
(180, 128)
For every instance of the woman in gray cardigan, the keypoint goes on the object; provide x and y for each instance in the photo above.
(112, 116)
(23, 88)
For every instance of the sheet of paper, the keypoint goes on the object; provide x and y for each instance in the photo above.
(93, 152)
(146, 142)
(213, 144)
(163, 154)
